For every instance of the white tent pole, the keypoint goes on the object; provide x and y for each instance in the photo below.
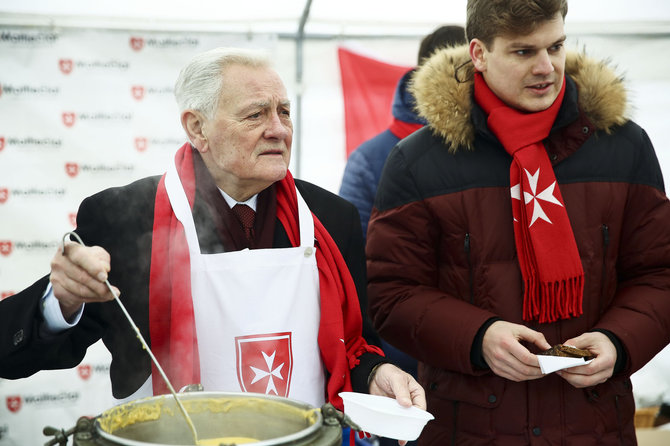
(299, 42)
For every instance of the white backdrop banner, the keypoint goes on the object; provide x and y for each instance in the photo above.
(80, 110)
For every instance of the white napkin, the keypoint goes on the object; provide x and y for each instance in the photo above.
(550, 364)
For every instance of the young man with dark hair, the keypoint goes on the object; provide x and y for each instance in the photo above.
(529, 212)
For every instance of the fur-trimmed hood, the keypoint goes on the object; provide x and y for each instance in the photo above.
(446, 102)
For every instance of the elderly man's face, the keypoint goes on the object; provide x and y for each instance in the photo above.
(248, 143)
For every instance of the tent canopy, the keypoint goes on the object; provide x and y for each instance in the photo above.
(343, 17)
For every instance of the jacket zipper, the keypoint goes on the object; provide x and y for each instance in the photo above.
(455, 427)
(470, 273)
(606, 241)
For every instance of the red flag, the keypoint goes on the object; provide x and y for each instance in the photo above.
(368, 86)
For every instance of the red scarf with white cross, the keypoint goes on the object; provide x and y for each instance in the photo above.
(548, 257)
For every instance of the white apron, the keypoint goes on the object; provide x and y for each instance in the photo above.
(257, 313)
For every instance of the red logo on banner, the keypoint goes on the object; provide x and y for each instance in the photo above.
(84, 371)
(4, 194)
(73, 218)
(2, 143)
(14, 403)
(5, 247)
(72, 169)
(68, 119)
(138, 92)
(6, 294)
(136, 43)
(65, 66)
(265, 363)
(141, 144)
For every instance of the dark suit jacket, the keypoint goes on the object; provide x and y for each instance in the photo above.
(121, 221)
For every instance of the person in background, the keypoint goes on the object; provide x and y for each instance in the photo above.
(529, 212)
(365, 163)
(240, 277)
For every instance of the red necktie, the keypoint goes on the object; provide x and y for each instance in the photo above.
(246, 216)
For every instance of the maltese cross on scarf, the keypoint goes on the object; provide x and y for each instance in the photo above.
(548, 257)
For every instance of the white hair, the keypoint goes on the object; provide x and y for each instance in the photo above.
(198, 86)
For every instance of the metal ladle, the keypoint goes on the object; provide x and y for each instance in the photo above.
(144, 344)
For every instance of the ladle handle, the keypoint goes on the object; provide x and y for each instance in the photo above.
(60, 436)
(144, 343)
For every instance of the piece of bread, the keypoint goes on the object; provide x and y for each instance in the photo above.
(568, 351)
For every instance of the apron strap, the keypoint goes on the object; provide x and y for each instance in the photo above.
(181, 207)
(306, 222)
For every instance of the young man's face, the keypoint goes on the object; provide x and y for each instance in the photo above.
(525, 72)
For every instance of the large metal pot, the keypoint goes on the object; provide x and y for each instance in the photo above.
(157, 421)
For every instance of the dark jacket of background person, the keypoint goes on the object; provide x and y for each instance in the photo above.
(441, 254)
(121, 220)
(364, 166)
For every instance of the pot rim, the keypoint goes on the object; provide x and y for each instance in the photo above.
(286, 439)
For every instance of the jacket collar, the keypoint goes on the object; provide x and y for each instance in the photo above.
(404, 105)
(443, 86)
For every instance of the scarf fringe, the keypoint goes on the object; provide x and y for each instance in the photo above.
(551, 301)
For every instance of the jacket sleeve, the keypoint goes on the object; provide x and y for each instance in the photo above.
(359, 186)
(108, 220)
(640, 312)
(23, 348)
(407, 305)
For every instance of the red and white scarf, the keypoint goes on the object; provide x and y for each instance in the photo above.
(548, 257)
(171, 317)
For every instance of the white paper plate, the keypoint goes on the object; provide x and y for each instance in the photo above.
(550, 364)
(384, 417)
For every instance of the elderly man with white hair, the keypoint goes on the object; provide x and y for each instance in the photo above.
(241, 277)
